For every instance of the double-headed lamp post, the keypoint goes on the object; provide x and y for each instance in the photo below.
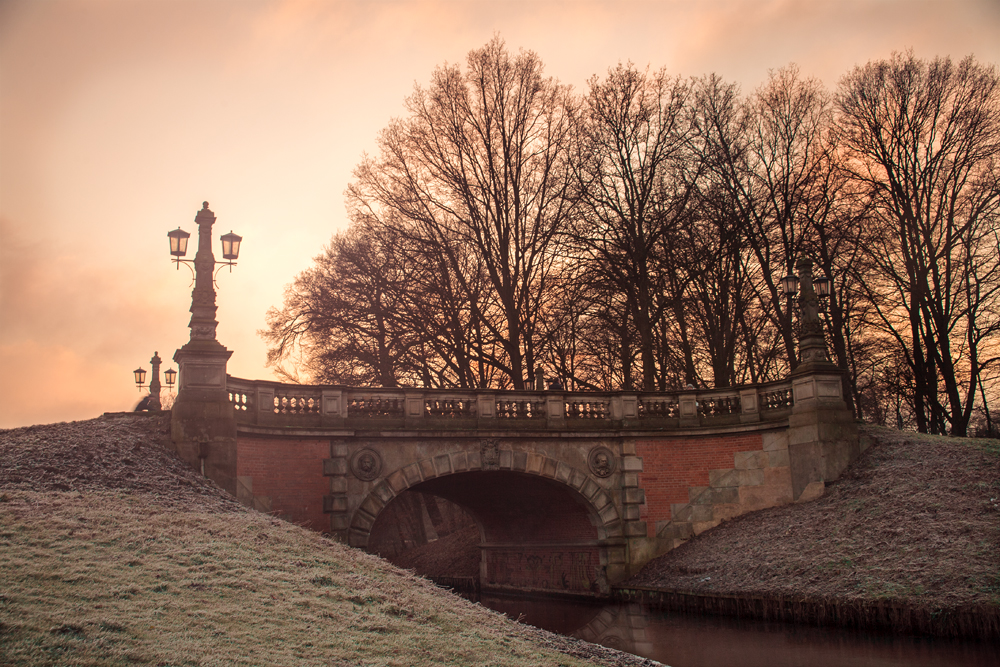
(812, 342)
(202, 421)
(203, 323)
(169, 377)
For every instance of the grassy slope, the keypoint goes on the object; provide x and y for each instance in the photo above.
(915, 520)
(113, 553)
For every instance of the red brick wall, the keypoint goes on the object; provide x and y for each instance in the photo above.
(544, 569)
(671, 466)
(290, 473)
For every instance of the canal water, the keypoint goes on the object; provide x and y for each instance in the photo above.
(681, 640)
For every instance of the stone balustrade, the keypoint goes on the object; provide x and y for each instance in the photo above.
(276, 404)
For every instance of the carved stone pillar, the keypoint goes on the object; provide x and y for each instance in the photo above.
(154, 384)
(203, 421)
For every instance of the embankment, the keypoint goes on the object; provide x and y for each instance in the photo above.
(908, 540)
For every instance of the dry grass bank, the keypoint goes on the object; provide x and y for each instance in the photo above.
(112, 552)
(914, 524)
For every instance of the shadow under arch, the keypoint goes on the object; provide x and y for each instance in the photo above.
(547, 527)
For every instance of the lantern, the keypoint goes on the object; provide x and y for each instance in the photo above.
(178, 242)
(790, 285)
(140, 377)
(823, 286)
(230, 246)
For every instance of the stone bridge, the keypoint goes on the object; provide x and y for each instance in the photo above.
(571, 492)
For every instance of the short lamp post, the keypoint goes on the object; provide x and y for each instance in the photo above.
(154, 384)
(812, 343)
(153, 401)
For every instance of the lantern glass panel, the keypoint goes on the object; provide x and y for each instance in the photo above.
(231, 246)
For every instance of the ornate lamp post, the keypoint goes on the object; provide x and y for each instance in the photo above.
(812, 343)
(153, 402)
(822, 436)
(203, 322)
(203, 425)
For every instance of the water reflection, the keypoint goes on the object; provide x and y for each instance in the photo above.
(695, 641)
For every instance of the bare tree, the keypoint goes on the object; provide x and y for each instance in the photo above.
(339, 320)
(632, 138)
(924, 138)
(481, 165)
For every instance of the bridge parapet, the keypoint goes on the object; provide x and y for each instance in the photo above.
(276, 404)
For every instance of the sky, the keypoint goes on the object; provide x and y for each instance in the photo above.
(118, 118)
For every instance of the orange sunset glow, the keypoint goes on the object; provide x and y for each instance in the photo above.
(119, 118)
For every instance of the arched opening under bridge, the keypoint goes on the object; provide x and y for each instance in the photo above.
(524, 531)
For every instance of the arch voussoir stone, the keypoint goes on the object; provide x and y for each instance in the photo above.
(609, 513)
(577, 479)
(459, 461)
(384, 492)
(373, 504)
(412, 474)
(534, 464)
(363, 521)
(549, 467)
(442, 465)
(427, 470)
(397, 481)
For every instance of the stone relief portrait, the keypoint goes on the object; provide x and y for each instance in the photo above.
(602, 461)
(366, 464)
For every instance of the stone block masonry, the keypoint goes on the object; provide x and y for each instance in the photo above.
(692, 484)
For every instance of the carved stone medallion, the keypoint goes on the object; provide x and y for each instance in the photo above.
(490, 452)
(366, 464)
(602, 461)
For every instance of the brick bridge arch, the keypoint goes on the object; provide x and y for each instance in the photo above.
(548, 527)
(628, 475)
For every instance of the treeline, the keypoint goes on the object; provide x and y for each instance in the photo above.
(635, 236)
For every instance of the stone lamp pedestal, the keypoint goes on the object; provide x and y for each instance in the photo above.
(822, 435)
